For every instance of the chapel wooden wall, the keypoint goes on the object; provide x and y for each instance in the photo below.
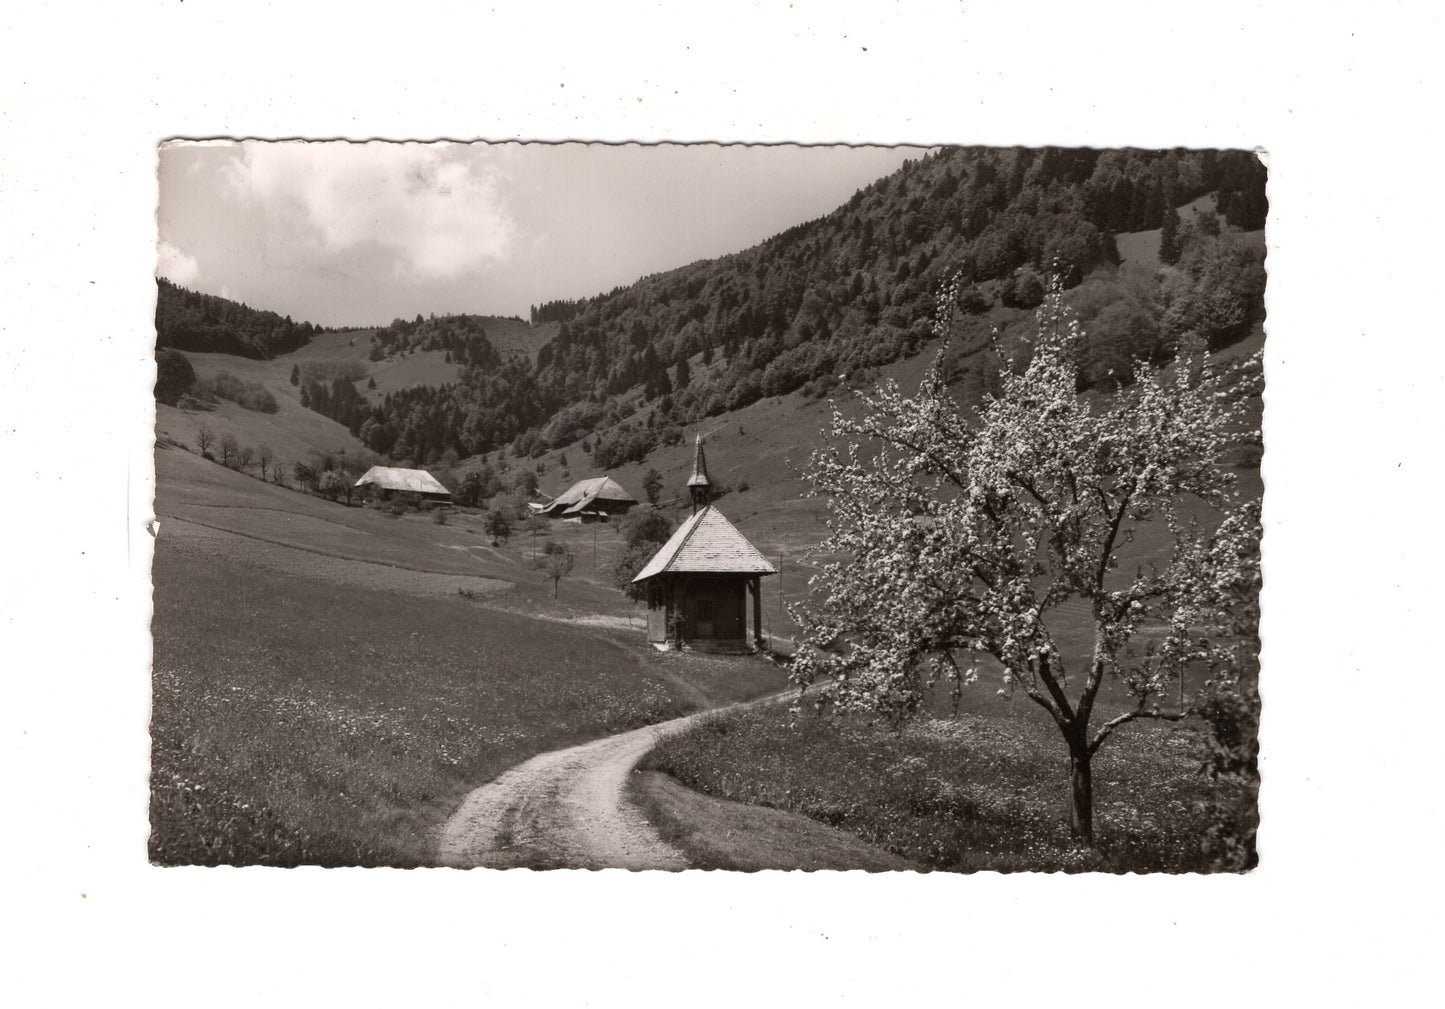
(712, 607)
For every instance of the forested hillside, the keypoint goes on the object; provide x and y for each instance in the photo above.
(188, 320)
(421, 422)
(850, 292)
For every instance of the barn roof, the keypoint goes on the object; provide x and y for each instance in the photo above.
(707, 543)
(583, 493)
(417, 481)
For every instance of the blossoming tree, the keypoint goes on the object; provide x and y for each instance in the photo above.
(964, 531)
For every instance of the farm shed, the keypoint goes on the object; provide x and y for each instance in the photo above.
(589, 500)
(698, 584)
(417, 482)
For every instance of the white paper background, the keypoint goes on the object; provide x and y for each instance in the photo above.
(1345, 97)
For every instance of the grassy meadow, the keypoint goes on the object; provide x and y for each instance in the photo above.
(985, 790)
(324, 694)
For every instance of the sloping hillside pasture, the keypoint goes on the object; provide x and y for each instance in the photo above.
(963, 794)
(295, 432)
(341, 345)
(513, 336)
(1142, 247)
(207, 496)
(315, 703)
(421, 367)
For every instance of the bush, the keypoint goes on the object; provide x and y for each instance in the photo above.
(331, 484)
(174, 376)
(643, 531)
(1024, 290)
(439, 517)
(820, 387)
(497, 525)
(247, 395)
(973, 301)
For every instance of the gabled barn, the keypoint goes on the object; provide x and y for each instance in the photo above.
(416, 482)
(698, 584)
(591, 499)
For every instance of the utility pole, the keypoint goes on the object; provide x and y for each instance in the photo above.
(780, 588)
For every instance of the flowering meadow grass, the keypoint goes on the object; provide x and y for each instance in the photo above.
(307, 721)
(966, 793)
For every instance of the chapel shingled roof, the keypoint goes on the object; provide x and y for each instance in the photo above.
(707, 543)
(417, 481)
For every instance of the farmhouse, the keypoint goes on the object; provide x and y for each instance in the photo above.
(589, 500)
(698, 584)
(416, 482)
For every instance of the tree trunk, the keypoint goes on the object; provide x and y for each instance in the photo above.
(1082, 778)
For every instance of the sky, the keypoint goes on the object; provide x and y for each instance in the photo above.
(345, 234)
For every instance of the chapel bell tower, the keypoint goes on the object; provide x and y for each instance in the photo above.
(698, 484)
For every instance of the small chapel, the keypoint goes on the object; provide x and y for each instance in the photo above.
(703, 586)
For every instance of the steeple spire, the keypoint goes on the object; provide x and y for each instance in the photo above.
(698, 485)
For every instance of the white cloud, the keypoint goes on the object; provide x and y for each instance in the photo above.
(435, 206)
(177, 266)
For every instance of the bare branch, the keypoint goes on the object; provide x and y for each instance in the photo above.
(1108, 727)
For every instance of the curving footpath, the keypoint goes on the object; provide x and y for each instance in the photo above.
(564, 809)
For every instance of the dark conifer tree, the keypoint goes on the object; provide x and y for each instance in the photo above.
(1169, 238)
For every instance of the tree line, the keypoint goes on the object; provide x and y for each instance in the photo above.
(189, 320)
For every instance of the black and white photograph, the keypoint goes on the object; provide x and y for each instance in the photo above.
(704, 506)
(756, 504)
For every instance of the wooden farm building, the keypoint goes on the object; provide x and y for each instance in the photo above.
(417, 483)
(590, 500)
(698, 584)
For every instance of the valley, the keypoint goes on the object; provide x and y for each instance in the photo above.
(332, 678)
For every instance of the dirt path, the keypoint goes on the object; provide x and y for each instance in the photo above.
(561, 809)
